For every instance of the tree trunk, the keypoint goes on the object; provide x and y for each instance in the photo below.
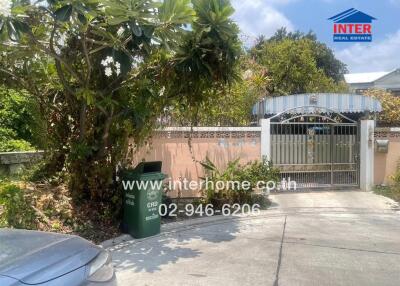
(82, 121)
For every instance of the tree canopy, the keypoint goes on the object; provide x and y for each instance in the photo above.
(286, 63)
(229, 105)
(299, 63)
(390, 114)
(20, 121)
(103, 70)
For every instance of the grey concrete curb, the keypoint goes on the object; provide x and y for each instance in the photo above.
(171, 227)
(272, 212)
(176, 226)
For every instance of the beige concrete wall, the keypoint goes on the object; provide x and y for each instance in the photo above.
(172, 148)
(222, 145)
(386, 164)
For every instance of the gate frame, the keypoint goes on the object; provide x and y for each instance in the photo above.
(366, 143)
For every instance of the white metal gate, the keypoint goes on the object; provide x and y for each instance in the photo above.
(316, 151)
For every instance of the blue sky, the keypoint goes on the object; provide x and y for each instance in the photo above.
(256, 17)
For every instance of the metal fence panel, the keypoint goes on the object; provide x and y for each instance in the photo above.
(316, 154)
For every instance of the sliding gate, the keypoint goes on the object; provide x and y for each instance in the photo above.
(316, 152)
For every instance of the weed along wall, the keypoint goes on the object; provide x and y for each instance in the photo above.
(219, 144)
(387, 161)
(224, 144)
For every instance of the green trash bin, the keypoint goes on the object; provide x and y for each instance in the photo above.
(142, 198)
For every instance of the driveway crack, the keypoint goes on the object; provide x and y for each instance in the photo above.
(278, 267)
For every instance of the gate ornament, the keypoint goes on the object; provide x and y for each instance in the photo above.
(311, 113)
(313, 99)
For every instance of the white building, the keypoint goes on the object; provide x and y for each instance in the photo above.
(359, 82)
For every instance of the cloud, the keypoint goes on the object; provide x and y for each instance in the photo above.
(258, 17)
(378, 56)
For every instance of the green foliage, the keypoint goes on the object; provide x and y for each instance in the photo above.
(393, 190)
(287, 63)
(299, 63)
(261, 200)
(19, 121)
(15, 208)
(103, 70)
(11, 145)
(390, 104)
(396, 178)
(252, 172)
(256, 171)
(230, 105)
(292, 68)
(324, 56)
(14, 114)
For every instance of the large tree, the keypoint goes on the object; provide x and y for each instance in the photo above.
(230, 105)
(298, 63)
(103, 70)
(286, 63)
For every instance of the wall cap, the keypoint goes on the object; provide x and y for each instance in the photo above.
(387, 129)
(9, 158)
(212, 129)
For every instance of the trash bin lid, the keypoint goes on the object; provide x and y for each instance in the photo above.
(152, 176)
(144, 171)
(148, 167)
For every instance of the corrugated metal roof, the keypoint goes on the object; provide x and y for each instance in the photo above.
(341, 103)
(364, 77)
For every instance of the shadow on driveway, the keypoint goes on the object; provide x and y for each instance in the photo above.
(150, 254)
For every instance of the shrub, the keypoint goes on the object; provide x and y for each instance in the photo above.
(390, 105)
(392, 191)
(15, 145)
(21, 126)
(257, 171)
(252, 172)
(395, 188)
(15, 208)
(261, 200)
(396, 178)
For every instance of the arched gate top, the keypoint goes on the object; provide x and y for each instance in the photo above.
(326, 114)
(317, 103)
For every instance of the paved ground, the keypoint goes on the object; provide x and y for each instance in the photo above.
(326, 238)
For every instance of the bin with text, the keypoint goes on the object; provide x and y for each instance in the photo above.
(142, 198)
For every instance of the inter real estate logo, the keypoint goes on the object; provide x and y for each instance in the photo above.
(352, 26)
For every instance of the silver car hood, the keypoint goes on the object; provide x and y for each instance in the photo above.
(8, 281)
(35, 257)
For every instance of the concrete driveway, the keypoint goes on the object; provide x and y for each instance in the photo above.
(317, 238)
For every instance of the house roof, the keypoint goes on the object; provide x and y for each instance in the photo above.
(317, 102)
(364, 77)
(352, 16)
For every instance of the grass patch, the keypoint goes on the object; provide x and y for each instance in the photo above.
(392, 192)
